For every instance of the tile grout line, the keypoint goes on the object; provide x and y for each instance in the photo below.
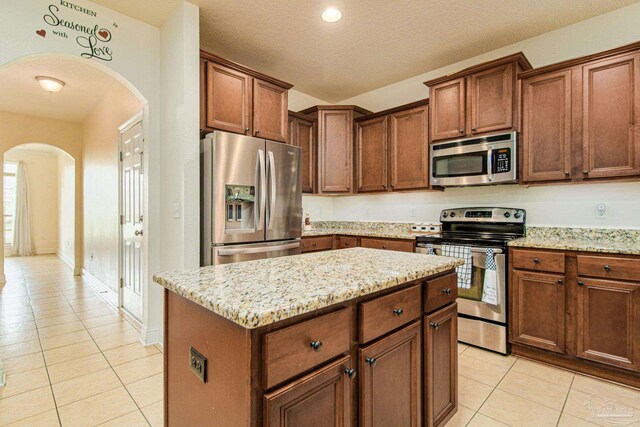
(566, 399)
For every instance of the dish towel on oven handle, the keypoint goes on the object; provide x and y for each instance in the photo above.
(430, 250)
(490, 293)
(464, 271)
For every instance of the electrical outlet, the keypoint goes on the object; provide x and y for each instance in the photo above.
(601, 210)
(198, 364)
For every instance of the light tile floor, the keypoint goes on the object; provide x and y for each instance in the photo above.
(70, 358)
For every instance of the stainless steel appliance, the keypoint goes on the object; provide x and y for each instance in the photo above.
(479, 323)
(251, 199)
(475, 161)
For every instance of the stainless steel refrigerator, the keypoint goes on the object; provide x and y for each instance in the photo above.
(251, 198)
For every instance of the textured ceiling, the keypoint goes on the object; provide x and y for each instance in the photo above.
(21, 93)
(377, 42)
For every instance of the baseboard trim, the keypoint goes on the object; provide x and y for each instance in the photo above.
(66, 260)
(151, 336)
(103, 290)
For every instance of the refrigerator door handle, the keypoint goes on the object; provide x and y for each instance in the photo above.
(242, 251)
(261, 190)
(272, 183)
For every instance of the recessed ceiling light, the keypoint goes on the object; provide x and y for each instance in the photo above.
(50, 84)
(331, 14)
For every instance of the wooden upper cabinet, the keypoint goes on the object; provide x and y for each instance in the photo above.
(302, 133)
(546, 127)
(448, 106)
(390, 380)
(611, 109)
(372, 154)
(409, 148)
(270, 107)
(492, 99)
(228, 99)
(608, 316)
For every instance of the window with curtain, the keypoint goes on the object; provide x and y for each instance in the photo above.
(9, 200)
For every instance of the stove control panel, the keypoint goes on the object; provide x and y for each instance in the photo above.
(494, 215)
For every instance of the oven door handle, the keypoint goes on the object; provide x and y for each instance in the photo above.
(490, 163)
(473, 249)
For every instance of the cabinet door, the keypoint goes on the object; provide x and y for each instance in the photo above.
(372, 154)
(302, 133)
(335, 139)
(441, 365)
(319, 399)
(448, 107)
(537, 310)
(270, 109)
(228, 95)
(492, 99)
(611, 104)
(546, 127)
(609, 322)
(390, 381)
(409, 138)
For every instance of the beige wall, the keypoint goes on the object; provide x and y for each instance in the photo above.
(42, 175)
(66, 212)
(100, 182)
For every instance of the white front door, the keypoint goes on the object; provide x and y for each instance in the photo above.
(132, 217)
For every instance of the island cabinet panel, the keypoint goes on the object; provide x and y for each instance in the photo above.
(448, 107)
(388, 244)
(228, 94)
(372, 162)
(344, 242)
(303, 133)
(409, 148)
(609, 322)
(546, 127)
(384, 314)
(319, 399)
(313, 244)
(492, 99)
(441, 365)
(270, 107)
(298, 348)
(390, 380)
(440, 292)
(611, 116)
(538, 310)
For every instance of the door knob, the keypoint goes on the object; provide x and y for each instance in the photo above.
(138, 233)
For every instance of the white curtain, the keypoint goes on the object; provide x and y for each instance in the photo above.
(22, 245)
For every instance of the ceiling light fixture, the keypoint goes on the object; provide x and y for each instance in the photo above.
(331, 14)
(50, 84)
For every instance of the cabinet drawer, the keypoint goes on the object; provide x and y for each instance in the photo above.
(552, 262)
(609, 267)
(384, 314)
(440, 292)
(311, 244)
(298, 348)
(344, 242)
(392, 245)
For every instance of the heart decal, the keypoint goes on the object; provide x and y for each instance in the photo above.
(41, 33)
(104, 34)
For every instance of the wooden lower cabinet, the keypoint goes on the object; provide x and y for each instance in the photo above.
(538, 310)
(319, 399)
(345, 242)
(390, 380)
(388, 244)
(441, 365)
(609, 322)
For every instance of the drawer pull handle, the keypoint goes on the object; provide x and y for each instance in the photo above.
(316, 345)
(607, 268)
(371, 361)
(580, 283)
(446, 291)
(398, 311)
(350, 372)
(536, 261)
(434, 325)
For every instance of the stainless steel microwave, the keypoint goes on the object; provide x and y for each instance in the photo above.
(486, 160)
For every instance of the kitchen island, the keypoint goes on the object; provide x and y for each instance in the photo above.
(333, 338)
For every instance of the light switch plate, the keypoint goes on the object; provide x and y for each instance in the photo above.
(198, 364)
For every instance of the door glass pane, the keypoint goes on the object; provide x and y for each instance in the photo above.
(470, 164)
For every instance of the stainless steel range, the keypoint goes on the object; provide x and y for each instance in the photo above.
(485, 231)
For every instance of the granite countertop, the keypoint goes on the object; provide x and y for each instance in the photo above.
(261, 292)
(390, 234)
(388, 229)
(614, 241)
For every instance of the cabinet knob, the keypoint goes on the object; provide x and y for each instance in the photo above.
(607, 268)
(567, 173)
(384, 186)
(316, 345)
(461, 130)
(246, 129)
(536, 261)
(314, 244)
(258, 131)
(371, 361)
(446, 291)
(398, 311)
(393, 186)
(586, 172)
(473, 129)
(350, 372)
(434, 325)
(580, 283)
(346, 243)
(560, 282)
(384, 246)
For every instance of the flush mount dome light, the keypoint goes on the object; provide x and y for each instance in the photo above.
(50, 84)
(331, 14)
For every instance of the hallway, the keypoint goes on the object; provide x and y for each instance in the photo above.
(70, 358)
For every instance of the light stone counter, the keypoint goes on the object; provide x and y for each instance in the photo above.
(258, 293)
(391, 230)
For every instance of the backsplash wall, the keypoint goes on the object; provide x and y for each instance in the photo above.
(557, 205)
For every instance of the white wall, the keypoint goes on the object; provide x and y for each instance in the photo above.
(66, 211)
(299, 101)
(549, 205)
(42, 173)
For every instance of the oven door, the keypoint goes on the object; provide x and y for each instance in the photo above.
(470, 300)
